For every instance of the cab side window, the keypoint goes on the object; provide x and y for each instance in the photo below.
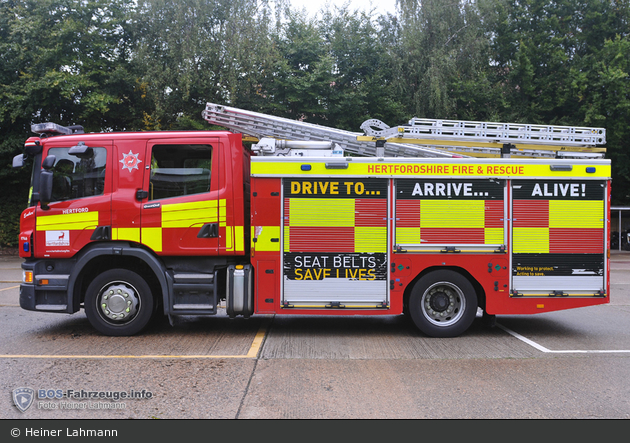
(179, 170)
(75, 177)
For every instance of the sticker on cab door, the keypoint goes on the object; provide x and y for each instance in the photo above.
(57, 238)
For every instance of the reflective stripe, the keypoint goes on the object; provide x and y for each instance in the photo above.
(131, 234)
(229, 238)
(184, 215)
(413, 168)
(407, 236)
(530, 240)
(493, 236)
(449, 221)
(452, 213)
(263, 236)
(287, 239)
(576, 214)
(321, 212)
(68, 222)
(370, 239)
(187, 215)
(239, 238)
(152, 237)
(550, 226)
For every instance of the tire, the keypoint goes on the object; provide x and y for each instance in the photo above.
(443, 304)
(119, 302)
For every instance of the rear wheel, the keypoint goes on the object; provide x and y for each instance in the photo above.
(443, 304)
(119, 302)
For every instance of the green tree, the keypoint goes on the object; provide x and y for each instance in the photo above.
(304, 71)
(565, 62)
(603, 92)
(362, 85)
(192, 52)
(443, 60)
(64, 61)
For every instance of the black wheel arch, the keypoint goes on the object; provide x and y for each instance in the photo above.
(100, 257)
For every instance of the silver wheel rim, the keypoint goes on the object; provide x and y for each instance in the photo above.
(443, 304)
(118, 302)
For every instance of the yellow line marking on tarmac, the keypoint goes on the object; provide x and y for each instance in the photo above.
(252, 353)
(258, 340)
(12, 287)
(7, 305)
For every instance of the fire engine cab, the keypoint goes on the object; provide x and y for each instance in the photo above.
(435, 219)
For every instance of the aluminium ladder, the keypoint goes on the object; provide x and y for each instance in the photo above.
(420, 138)
(483, 139)
(262, 126)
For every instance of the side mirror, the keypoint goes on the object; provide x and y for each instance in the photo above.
(18, 161)
(45, 188)
(81, 151)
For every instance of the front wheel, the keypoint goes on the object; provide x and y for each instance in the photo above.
(443, 304)
(119, 302)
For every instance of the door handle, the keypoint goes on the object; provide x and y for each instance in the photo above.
(141, 194)
(209, 230)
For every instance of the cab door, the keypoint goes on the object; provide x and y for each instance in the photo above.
(181, 214)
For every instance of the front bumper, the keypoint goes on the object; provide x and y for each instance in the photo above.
(48, 292)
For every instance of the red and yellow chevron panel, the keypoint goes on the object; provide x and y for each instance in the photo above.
(548, 217)
(450, 212)
(344, 216)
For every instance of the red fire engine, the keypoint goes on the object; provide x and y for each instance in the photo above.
(434, 219)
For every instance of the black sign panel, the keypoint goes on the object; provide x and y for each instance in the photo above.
(558, 190)
(333, 188)
(552, 265)
(320, 266)
(444, 189)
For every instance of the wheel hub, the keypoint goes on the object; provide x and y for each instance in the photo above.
(439, 301)
(443, 304)
(119, 302)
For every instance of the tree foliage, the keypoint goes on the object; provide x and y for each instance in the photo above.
(153, 64)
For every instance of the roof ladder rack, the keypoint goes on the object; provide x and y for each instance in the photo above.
(420, 138)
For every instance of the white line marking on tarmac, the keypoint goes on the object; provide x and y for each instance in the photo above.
(550, 351)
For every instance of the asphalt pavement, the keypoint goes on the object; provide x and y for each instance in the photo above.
(560, 365)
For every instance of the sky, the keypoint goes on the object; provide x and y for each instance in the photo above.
(313, 6)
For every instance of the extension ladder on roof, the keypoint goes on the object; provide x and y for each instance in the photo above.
(421, 137)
